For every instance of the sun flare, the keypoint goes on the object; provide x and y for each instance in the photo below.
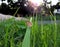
(36, 2)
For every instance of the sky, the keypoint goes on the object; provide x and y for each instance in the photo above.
(53, 1)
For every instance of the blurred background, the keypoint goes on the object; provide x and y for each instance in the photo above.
(29, 7)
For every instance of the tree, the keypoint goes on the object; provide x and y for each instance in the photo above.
(9, 1)
(2, 0)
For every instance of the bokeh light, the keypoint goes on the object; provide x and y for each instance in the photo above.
(36, 2)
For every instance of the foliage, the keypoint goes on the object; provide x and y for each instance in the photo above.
(26, 41)
(12, 33)
(17, 34)
(45, 35)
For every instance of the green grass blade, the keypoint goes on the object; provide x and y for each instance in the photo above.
(26, 41)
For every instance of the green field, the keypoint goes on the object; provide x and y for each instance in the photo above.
(17, 34)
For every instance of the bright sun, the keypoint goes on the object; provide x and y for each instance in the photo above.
(36, 2)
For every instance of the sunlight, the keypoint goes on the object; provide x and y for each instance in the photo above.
(36, 2)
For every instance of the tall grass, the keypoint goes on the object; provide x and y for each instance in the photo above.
(17, 34)
(44, 35)
(12, 33)
(26, 41)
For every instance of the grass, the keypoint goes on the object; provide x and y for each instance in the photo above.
(26, 41)
(12, 33)
(17, 34)
(47, 17)
(45, 35)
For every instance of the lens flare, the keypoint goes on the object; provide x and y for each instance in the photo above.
(36, 2)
